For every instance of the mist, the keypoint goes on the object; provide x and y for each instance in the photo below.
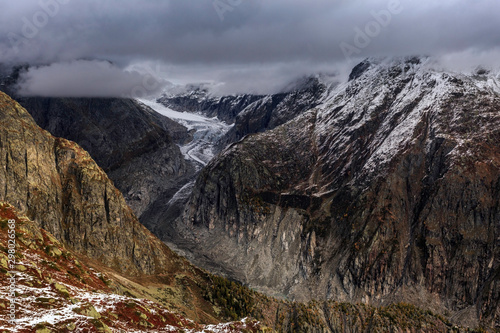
(252, 46)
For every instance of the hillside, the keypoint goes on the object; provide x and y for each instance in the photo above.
(388, 191)
(57, 291)
(84, 261)
(55, 184)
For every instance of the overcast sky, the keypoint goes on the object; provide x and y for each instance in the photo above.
(242, 45)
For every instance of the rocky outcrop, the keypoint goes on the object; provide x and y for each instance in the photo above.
(135, 146)
(58, 185)
(387, 191)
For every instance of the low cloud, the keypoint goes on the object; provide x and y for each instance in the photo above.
(253, 45)
(469, 60)
(274, 78)
(85, 78)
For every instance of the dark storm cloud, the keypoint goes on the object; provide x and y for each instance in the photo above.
(214, 35)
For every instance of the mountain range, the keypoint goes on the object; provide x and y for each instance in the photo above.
(387, 190)
(351, 205)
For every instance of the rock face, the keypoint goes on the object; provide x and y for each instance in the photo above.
(274, 110)
(61, 189)
(58, 185)
(197, 99)
(389, 190)
(250, 113)
(134, 145)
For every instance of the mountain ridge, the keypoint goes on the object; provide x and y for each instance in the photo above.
(78, 174)
(353, 197)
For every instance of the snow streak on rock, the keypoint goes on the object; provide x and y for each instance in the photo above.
(206, 132)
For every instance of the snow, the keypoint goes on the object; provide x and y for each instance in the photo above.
(183, 193)
(207, 133)
(185, 118)
(32, 316)
(63, 310)
(351, 107)
(400, 135)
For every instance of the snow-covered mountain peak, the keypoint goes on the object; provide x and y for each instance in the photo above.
(382, 107)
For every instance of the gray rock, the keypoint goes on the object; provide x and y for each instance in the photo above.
(136, 146)
(58, 185)
(388, 191)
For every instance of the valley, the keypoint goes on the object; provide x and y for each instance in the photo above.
(336, 203)
(231, 166)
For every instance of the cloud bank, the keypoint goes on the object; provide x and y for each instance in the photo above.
(85, 78)
(226, 40)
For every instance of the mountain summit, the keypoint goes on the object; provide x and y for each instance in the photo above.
(387, 190)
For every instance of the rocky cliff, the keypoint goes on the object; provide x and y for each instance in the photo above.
(58, 185)
(134, 145)
(386, 191)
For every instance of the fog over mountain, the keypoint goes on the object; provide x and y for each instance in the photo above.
(240, 45)
(250, 166)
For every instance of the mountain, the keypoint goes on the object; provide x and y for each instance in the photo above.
(140, 155)
(139, 149)
(250, 113)
(84, 262)
(206, 133)
(387, 190)
(274, 110)
(58, 292)
(207, 117)
(198, 99)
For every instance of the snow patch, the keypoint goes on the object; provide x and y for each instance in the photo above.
(207, 131)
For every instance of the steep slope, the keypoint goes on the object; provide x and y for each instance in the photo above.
(56, 292)
(277, 109)
(198, 99)
(387, 191)
(57, 184)
(134, 145)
